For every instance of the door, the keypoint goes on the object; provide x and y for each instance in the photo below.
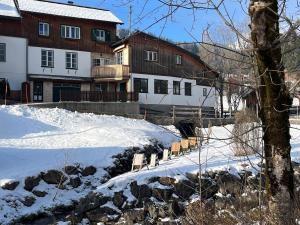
(66, 92)
(37, 91)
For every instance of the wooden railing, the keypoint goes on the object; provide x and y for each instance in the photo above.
(98, 96)
(117, 72)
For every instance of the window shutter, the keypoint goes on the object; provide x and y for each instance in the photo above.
(93, 33)
(62, 31)
(145, 55)
(107, 36)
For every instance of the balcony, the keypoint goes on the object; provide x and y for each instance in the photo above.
(110, 72)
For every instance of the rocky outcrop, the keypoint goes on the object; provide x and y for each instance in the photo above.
(31, 182)
(88, 171)
(53, 177)
(10, 185)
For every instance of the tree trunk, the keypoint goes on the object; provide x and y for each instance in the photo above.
(274, 112)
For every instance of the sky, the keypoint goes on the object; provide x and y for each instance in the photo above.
(184, 25)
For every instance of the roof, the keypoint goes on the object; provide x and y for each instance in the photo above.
(67, 10)
(196, 57)
(8, 9)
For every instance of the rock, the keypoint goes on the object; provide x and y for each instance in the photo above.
(10, 185)
(71, 170)
(140, 191)
(153, 180)
(91, 201)
(101, 214)
(184, 189)
(54, 177)
(119, 199)
(209, 188)
(31, 182)
(166, 181)
(223, 202)
(151, 208)
(75, 182)
(39, 193)
(88, 171)
(229, 184)
(134, 216)
(254, 182)
(194, 177)
(162, 194)
(28, 201)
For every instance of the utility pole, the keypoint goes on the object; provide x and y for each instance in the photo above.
(130, 18)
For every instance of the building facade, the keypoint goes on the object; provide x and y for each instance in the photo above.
(63, 52)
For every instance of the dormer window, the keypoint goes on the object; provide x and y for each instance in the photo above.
(100, 35)
(43, 29)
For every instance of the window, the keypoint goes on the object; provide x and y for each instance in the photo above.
(178, 60)
(2, 52)
(43, 29)
(100, 35)
(71, 60)
(204, 91)
(119, 57)
(140, 85)
(47, 58)
(70, 32)
(176, 87)
(188, 89)
(101, 62)
(151, 56)
(37, 91)
(160, 87)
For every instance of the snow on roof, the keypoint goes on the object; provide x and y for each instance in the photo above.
(68, 10)
(8, 9)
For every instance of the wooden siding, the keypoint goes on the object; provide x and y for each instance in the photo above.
(28, 28)
(191, 67)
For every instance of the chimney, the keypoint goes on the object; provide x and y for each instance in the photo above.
(70, 2)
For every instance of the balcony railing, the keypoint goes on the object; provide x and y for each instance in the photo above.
(115, 72)
(98, 96)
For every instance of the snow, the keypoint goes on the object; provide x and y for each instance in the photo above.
(8, 9)
(67, 10)
(295, 102)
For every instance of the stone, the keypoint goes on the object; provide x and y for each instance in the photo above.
(101, 214)
(10, 185)
(54, 177)
(162, 194)
(39, 193)
(194, 177)
(71, 170)
(184, 189)
(209, 188)
(31, 182)
(134, 216)
(88, 171)
(140, 191)
(28, 201)
(75, 182)
(166, 181)
(229, 184)
(119, 199)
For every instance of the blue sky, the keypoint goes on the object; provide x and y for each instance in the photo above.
(181, 26)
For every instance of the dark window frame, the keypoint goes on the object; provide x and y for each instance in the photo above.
(141, 89)
(43, 35)
(187, 88)
(47, 66)
(160, 86)
(4, 52)
(72, 68)
(176, 84)
(38, 92)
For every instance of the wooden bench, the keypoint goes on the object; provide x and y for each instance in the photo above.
(166, 155)
(193, 142)
(184, 143)
(175, 148)
(138, 161)
(154, 160)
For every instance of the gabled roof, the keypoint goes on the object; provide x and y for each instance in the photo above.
(196, 57)
(8, 9)
(67, 10)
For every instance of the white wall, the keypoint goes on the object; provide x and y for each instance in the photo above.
(196, 99)
(14, 69)
(34, 63)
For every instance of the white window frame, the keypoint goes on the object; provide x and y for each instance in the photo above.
(119, 57)
(70, 32)
(100, 35)
(3, 52)
(178, 59)
(72, 60)
(45, 31)
(49, 58)
(152, 56)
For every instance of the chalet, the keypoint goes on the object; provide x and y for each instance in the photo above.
(63, 52)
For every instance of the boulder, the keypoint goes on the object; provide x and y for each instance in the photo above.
(166, 181)
(119, 199)
(28, 201)
(71, 170)
(229, 184)
(88, 171)
(75, 182)
(10, 185)
(54, 177)
(31, 182)
(102, 214)
(134, 216)
(209, 188)
(162, 194)
(194, 177)
(184, 189)
(140, 191)
(39, 193)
